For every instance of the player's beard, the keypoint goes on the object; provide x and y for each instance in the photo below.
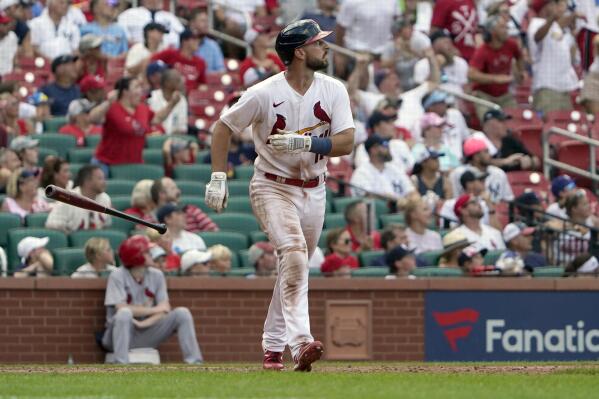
(316, 64)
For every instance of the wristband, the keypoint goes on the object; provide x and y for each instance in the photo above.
(321, 145)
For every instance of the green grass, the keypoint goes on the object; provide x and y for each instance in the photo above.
(329, 380)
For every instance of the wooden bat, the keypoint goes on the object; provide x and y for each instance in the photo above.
(74, 199)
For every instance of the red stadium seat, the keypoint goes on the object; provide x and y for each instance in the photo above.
(521, 181)
(530, 134)
(576, 154)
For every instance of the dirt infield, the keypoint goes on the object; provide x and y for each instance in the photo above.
(323, 367)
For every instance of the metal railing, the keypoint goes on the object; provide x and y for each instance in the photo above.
(548, 162)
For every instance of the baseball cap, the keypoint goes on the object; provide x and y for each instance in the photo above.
(258, 249)
(440, 34)
(469, 252)
(471, 175)
(28, 244)
(431, 119)
(4, 4)
(561, 183)
(495, 114)
(188, 34)
(38, 98)
(155, 26)
(473, 146)
(62, 59)
(397, 253)
(23, 142)
(380, 75)
(252, 33)
(460, 203)
(156, 252)
(155, 67)
(583, 264)
(512, 230)
(528, 198)
(167, 210)
(453, 240)
(378, 117)
(92, 82)
(78, 107)
(192, 257)
(4, 18)
(422, 154)
(373, 140)
(434, 97)
(90, 41)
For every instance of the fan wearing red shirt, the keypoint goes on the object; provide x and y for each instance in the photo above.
(263, 62)
(192, 67)
(126, 123)
(80, 124)
(491, 66)
(339, 262)
(460, 19)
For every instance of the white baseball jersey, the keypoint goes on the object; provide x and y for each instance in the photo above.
(323, 111)
(496, 183)
(391, 181)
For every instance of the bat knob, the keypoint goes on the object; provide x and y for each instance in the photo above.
(161, 228)
(50, 191)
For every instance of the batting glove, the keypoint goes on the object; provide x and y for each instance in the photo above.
(290, 142)
(217, 193)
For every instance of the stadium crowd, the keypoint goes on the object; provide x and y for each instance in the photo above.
(116, 102)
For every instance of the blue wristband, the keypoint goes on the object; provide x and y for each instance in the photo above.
(321, 145)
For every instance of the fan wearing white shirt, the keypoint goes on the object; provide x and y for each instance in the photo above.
(174, 218)
(170, 83)
(418, 214)
(468, 210)
(52, 34)
(135, 19)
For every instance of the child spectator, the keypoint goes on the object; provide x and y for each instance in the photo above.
(220, 260)
(79, 124)
(40, 106)
(472, 262)
(339, 262)
(401, 262)
(142, 205)
(263, 258)
(100, 259)
(36, 260)
(195, 263)
(22, 195)
(561, 187)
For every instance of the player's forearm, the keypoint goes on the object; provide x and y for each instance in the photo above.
(221, 137)
(342, 143)
(138, 311)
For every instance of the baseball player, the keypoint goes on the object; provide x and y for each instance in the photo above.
(299, 118)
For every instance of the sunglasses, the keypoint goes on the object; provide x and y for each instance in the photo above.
(346, 241)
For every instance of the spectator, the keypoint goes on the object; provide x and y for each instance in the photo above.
(401, 262)
(17, 11)
(114, 38)
(139, 54)
(220, 259)
(472, 262)
(171, 261)
(491, 66)
(138, 311)
(22, 195)
(235, 16)
(37, 109)
(454, 69)
(154, 72)
(583, 266)
(89, 183)
(391, 236)
(52, 34)
(404, 51)
(476, 156)
(590, 89)
(27, 150)
(183, 240)
(519, 256)
(263, 62)
(325, 15)
(79, 125)
(56, 171)
(100, 259)
(93, 89)
(467, 208)
(158, 256)
(431, 184)
(240, 153)
(142, 205)
(382, 126)
(9, 162)
(418, 216)
(209, 49)
(460, 19)
(453, 244)
(135, 19)
(551, 48)
(165, 191)
(357, 225)
(379, 176)
(127, 121)
(64, 89)
(561, 187)
(432, 126)
(9, 44)
(507, 151)
(195, 263)
(9, 117)
(339, 262)
(192, 67)
(171, 84)
(176, 152)
(263, 258)
(530, 208)
(36, 260)
(92, 61)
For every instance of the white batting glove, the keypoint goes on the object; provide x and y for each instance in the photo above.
(217, 193)
(290, 142)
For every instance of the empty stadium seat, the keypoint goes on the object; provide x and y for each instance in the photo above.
(523, 180)
(370, 272)
(44, 153)
(36, 219)
(75, 167)
(334, 220)
(136, 172)
(244, 172)
(241, 272)
(61, 143)
(576, 154)
(437, 272)
(194, 172)
(492, 256)
(548, 271)
(258, 236)
(119, 187)
(197, 201)
(55, 123)
(67, 260)
(239, 204)
(93, 140)
(57, 240)
(122, 225)
(191, 188)
(8, 221)
(340, 204)
(314, 272)
(80, 237)
(530, 135)
(368, 257)
(244, 258)
(392, 218)
(155, 141)
(431, 258)
(234, 241)
(153, 156)
(80, 155)
(121, 202)
(240, 222)
(241, 188)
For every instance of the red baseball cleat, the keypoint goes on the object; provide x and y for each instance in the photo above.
(308, 354)
(273, 361)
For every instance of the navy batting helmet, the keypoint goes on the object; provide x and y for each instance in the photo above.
(295, 35)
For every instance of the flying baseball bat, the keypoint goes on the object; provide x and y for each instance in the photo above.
(74, 199)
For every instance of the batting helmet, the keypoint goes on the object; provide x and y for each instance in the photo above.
(295, 35)
(132, 251)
